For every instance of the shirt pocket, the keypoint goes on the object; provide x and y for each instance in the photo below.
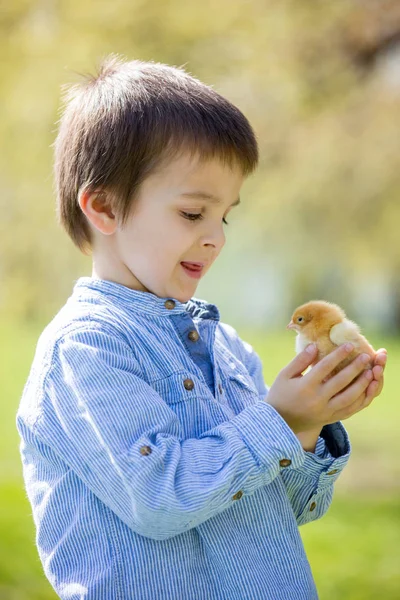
(240, 389)
(191, 400)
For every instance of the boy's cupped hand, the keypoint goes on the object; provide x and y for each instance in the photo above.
(310, 401)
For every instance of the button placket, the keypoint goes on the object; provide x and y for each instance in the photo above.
(191, 340)
(193, 335)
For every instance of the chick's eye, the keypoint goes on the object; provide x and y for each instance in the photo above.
(299, 319)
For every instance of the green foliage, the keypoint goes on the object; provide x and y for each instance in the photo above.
(352, 549)
(314, 78)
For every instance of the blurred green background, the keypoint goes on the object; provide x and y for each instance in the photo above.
(320, 83)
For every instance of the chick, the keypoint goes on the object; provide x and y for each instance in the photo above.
(326, 325)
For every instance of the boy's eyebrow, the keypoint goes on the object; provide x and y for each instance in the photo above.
(209, 197)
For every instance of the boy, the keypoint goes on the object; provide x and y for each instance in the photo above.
(157, 463)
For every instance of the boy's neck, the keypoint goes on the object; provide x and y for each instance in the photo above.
(105, 266)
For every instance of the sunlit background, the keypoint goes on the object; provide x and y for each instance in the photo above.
(320, 83)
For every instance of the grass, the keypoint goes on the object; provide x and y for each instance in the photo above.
(353, 550)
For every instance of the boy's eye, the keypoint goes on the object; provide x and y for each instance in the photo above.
(192, 216)
(197, 216)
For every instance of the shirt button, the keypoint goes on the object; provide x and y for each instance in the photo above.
(169, 304)
(193, 336)
(220, 388)
(238, 495)
(312, 506)
(333, 472)
(285, 462)
(145, 450)
(189, 384)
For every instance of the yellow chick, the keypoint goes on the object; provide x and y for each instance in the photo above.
(326, 325)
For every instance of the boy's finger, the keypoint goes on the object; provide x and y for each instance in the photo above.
(346, 398)
(381, 357)
(372, 392)
(369, 394)
(329, 362)
(381, 350)
(342, 379)
(378, 372)
(300, 362)
(352, 408)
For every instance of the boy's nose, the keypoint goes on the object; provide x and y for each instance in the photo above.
(216, 238)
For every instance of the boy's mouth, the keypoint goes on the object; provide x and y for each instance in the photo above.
(193, 266)
(193, 269)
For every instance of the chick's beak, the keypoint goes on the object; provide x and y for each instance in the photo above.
(291, 325)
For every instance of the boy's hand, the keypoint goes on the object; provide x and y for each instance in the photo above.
(307, 402)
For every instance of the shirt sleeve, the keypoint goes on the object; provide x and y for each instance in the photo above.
(310, 488)
(126, 444)
(321, 448)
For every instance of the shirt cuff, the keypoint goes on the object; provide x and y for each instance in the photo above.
(332, 456)
(269, 438)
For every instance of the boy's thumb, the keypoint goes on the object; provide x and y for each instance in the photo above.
(301, 361)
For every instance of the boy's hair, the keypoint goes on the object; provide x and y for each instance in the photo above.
(121, 125)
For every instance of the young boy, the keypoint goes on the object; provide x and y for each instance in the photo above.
(157, 463)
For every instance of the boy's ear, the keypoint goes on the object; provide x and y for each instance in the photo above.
(96, 205)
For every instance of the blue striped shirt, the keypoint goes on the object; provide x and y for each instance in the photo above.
(154, 467)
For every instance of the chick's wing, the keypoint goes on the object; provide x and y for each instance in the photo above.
(346, 331)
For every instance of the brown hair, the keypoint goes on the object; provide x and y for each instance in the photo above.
(124, 123)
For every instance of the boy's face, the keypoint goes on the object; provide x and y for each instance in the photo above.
(146, 254)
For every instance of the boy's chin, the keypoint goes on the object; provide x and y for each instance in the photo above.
(183, 298)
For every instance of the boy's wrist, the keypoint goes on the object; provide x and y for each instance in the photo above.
(309, 439)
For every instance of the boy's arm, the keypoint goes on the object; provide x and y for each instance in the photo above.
(124, 441)
(310, 486)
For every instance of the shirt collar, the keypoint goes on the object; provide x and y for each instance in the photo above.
(144, 302)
